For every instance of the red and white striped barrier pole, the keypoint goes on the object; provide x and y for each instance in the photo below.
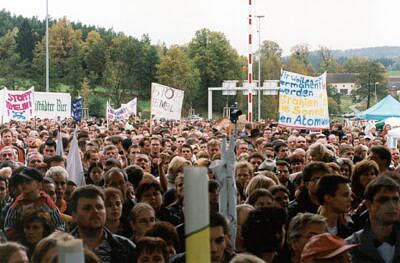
(250, 67)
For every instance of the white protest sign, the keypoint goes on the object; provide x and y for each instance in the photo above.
(166, 102)
(18, 104)
(303, 101)
(131, 106)
(117, 114)
(52, 105)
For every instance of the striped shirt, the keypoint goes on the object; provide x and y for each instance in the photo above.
(21, 204)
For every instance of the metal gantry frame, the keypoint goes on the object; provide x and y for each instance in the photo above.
(269, 88)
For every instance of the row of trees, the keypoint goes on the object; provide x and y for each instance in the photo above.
(86, 60)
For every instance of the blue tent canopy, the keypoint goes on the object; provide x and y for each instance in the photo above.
(387, 107)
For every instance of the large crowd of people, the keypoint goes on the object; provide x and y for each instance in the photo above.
(302, 196)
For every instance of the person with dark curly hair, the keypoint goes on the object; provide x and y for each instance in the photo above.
(264, 232)
(36, 224)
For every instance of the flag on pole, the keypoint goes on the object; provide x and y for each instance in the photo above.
(74, 163)
(60, 146)
(77, 109)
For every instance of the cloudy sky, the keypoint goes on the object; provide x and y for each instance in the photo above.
(336, 24)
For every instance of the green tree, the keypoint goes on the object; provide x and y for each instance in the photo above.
(9, 59)
(329, 63)
(216, 61)
(333, 99)
(178, 71)
(372, 74)
(26, 41)
(119, 73)
(271, 55)
(271, 64)
(85, 92)
(146, 67)
(74, 72)
(130, 67)
(299, 60)
(65, 55)
(333, 106)
(94, 53)
(355, 64)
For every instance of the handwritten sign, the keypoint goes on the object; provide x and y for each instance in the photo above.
(166, 102)
(19, 104)
(303, 101)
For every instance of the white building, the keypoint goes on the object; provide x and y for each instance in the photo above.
(344, 83)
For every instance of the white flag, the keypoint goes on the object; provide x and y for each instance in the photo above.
(74, 163)
(131, 106)
(60, 146)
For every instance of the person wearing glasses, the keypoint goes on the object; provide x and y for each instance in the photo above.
(306, 199)
(380, 239)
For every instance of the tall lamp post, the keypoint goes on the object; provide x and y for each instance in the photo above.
(376, 98)
(47, 46)
(259, 66)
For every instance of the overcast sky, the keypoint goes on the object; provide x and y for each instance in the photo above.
(336, 24)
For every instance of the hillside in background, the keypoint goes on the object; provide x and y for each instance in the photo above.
(389, 56)
(370, 52)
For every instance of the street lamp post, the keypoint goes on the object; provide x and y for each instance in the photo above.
(259, 66)
(376, 98)
(47, 46)
(369, 90)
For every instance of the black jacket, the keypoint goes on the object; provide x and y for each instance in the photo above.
(301, 204)
(366, 251)
(123, 250)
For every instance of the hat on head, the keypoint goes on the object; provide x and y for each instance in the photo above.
(267, 165)
(324, 246)
(29, 174)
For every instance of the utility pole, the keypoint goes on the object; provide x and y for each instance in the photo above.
(47, 46)
(369, 90)
(376, 97)
(259, 66)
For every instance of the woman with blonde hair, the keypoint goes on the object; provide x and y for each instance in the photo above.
(270, 175)
(257, 182)
(319, 152)
(175, 166)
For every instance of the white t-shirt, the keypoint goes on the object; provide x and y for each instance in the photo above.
(387, 252)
